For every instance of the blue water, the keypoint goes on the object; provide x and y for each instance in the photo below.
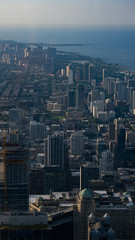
(114, 45)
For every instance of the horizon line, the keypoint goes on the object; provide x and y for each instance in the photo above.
(27, 26)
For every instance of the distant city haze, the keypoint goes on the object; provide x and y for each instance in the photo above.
(114, 45)
(106, 27)
(67, 12)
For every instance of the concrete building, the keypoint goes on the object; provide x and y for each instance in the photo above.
(105, 116)
(121, 90)
(72, 98)
(54, 149)
(37, 130)
(89, 171)
(95, 95)
(99, 104)
(100, 228)
(119, 206)
(85, 206)
(16, 119)
(77, 141)
(93, 83)
(78, 75)
(130, 138)
(91, 73)
(86, 71)
(80, 100)
(106, 163)
(111, 131)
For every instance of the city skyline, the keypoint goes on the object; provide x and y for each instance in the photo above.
(67, 13)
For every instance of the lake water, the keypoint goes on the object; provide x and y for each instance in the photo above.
(113, 45)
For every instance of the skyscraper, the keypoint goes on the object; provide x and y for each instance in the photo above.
(85, 206)
(13, 178)
(16, 119)
(91, 73)
(54, 149)
(77, 75)
(69, 73)
(86, 71)
(71, 98)
(89, 171)
(77, 141)
(106, 163)
(80, 97)
(111, 131)
(37, 130)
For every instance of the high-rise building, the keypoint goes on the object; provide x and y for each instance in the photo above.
(77, 141)
(95, 95)
(14, 178)
(77, 75)
(106, 163)
(91, 73)
(72, 98)
(88, 172)
(16, 119)
(86, 72)
(69, 73)
(93, 83)
(121, 90)
(70, 76)
(80, 97)
(104, 75)
(133, 101)
(120, 137)
(54, 150)
(111, 131)
(85, 206)
(120, 146)
(100, 228)
(37, 130)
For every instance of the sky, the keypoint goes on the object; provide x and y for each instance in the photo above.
(67, 12)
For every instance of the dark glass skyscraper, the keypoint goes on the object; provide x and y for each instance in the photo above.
(80, 97)
(14, 178)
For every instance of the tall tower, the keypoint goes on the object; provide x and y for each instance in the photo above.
(69, 73)
(89, 171)
(111, 131)
(72, 98)
(85, 206)
(86, 71)
(80, 97)
(77, 141)
(37, 130)
(13, 178)
(77, 75)
(91, 73)
(106, 163)
(120, 146)
(54, 150)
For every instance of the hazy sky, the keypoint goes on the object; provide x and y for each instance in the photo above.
(67, 12)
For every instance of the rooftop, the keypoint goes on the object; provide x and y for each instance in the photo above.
(86, 193)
